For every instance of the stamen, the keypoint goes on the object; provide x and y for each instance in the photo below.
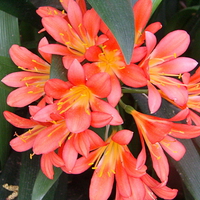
(46, 66)
(61, 141)
(39, 90)
(157, 80)
(76, 96)
(91, 164)
(54, 130)
(167, 145)
(176, 131)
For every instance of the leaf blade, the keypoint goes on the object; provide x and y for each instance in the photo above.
(43, 184)
(118, 16)
(9, 34)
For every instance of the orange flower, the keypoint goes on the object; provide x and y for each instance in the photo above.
(42, 137)
(162, 64)
(30, 82)
(145, 188)
(156, 133)
(76, 32)
(109, 59)
(111, 160)
(79, 100)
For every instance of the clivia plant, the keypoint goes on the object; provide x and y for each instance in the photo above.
(106, 89)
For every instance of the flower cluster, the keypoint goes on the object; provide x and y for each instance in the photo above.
(62, 124)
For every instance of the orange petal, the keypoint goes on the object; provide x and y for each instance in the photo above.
(101, 187)
(18, 121)
(173, 147)
(122, 137)
(77, 119)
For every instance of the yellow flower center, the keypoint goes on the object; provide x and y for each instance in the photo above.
(77, 96)
(77, 43)
(109, 61)
(107, 158)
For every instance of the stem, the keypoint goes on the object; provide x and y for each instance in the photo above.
(133, 90)
(106, 132)
(128, 109)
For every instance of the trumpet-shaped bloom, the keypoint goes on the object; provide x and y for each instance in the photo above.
(76, 33)
(111, 160)
(109, 60)
(42, 137)
(25, 141)
(78, 96)
(158, 134)
(30, 82)
(37, 139)
(161, 65)
(145, 188)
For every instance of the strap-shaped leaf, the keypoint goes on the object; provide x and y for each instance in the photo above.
(133, 2)
(155, 5)
(9, 34)
(188, 168)
(57, 68)
(28, 172)
(118, 16)
(43, 184)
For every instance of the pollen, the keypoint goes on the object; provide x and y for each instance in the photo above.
(77, 96)
(109, 61)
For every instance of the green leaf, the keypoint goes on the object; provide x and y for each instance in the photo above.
(43, 184)
(118, 16)
(9, 34)
(188, 168)
(133, 2)
(28, 173)
(57, 68)
(197, 143)
(23, 10)
(156, 3)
